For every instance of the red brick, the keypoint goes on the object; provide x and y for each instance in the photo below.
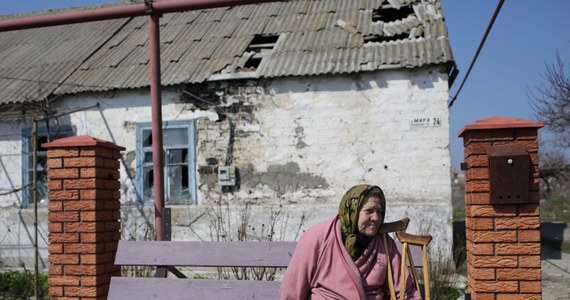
(529, 261)
(70, 152)
(84, 248)
(64, 280)
(64, 259)
(63, 237)
(494, 261)
(517, 248)
(480, 248)
(69, 216)
(64, 173)
(84, 270)
(82, 205)
(474, 161)
(477, 173)
(55, 291)
(99, 216)
(111, 246)
(496, 286)
(517, 223)
(55, 206)
(482, 236)
(99, 173)
(90, 291)
(491, 210)
(54, 184)
(54, 270)
(530, 145)
(82, 162)
(111, 184)
(55, 248)
(518, 274)
(93, 194)
(95, 259)
(477, 148)
(95, 280)
(506, 296)
(113, 204)
(477, 198)
(482, 296)
(531, 286)
(476, 185)
(81, 226)
(529, 235)
(55, 227)
(482, 273)
(480, 223)
(112, 164)
(81, 184)
(63, 195)
(54, 163)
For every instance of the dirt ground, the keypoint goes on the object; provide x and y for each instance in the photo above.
(555, 263)
(555, 274)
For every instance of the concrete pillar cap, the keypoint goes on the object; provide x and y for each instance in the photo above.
(500, 122)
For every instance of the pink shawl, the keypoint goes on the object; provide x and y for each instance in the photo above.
(321, 268)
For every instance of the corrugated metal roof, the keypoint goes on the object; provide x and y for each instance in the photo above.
(315, 37)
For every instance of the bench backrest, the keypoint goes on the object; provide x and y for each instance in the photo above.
(205, 254)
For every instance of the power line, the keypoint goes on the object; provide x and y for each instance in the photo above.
(478, 51)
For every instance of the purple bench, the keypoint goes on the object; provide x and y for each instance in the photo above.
(170, 254)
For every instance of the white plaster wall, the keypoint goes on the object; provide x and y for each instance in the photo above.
(329, 132)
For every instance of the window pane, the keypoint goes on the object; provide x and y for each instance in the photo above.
(178, 156)
(175, 136)
(177, 185)
(148, 184)
(147, 138)
(148, 157)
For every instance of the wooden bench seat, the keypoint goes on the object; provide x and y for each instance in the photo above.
(167, 255)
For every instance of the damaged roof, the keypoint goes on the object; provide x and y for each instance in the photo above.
(295, 38)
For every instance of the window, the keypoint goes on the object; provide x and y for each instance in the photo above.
(179, 163)
(27, 161)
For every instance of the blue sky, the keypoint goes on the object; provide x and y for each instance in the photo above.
(525, 36)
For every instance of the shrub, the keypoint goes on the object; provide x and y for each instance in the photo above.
(20, 285)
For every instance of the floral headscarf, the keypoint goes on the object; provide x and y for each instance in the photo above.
(354, 242)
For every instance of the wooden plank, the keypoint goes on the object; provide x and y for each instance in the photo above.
(137, 288)
(205, 254)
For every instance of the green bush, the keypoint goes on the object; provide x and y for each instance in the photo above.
(20, 285)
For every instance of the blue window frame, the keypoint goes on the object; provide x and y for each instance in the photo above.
(27, 161)
(179, 148)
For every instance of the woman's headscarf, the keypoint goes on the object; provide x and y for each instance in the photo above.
(354, 242)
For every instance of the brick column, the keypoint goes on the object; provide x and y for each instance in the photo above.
(83, 216)
(503, 232)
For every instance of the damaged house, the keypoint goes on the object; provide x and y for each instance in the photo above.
(270, 113)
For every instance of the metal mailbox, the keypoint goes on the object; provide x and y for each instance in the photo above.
(509, 174)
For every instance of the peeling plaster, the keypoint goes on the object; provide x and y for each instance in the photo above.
(285, 178)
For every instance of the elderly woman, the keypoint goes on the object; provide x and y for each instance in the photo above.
(344, 257)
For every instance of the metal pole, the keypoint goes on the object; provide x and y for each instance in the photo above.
(156, 107)
(35, 199)
(117, 12)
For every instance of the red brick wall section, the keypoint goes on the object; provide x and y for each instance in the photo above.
(503, 240)
(83, 217)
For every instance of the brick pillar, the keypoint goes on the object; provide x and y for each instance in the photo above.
(503, 234)
(83, 216)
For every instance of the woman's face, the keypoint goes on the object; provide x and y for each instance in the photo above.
(370, 217)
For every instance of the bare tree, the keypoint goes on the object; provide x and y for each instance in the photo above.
(551, 100)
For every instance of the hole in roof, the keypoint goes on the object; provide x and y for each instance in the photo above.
(260, 45)
(391, 14)
(380, 38)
